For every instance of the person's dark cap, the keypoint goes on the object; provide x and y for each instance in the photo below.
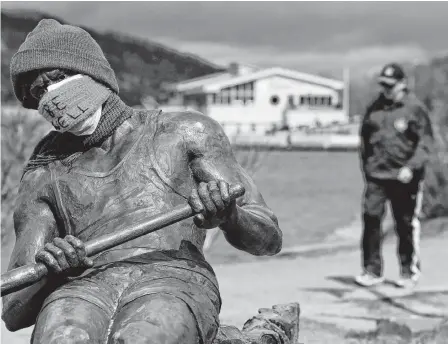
(390, 74)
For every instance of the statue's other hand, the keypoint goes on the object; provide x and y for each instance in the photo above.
(64, 256)
(212, 201)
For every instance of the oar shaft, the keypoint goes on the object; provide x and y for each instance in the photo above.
(22, 277)
(27, 275)
(158, 222)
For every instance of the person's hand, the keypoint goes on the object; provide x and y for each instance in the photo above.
(212, 201)
(64, 256)
(405, 175)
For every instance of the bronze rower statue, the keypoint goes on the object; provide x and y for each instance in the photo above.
(108, 169)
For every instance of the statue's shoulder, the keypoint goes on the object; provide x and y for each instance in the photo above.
(47, 144)
(35, 186)
(189, 125)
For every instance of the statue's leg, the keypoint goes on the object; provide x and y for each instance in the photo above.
(155, 319)
(81, 310)
(70, 321)
(168, 305)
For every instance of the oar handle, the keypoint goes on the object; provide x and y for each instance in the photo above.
(27, 275)
(22, 277)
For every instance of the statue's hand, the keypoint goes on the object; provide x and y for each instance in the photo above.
(212, 201)
(64, 256)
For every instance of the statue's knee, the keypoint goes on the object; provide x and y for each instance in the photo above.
(143, 332)
(65, 334)
(138, 332)
(156, 321)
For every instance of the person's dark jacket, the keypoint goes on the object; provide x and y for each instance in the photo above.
(394, 135)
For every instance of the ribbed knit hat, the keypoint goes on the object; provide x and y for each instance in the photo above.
(52, 45)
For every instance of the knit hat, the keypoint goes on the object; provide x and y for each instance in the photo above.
(54, 46)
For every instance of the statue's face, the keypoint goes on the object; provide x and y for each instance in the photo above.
(42, 83)
(38, 81)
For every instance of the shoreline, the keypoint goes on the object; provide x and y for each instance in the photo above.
(343, 239)
(296, 148)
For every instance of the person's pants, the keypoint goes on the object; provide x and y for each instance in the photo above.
(406, 200)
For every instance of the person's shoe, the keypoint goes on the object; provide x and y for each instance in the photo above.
(367, 279)
(408, 280)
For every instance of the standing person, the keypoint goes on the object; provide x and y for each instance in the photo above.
(108, 167)
(396, 141)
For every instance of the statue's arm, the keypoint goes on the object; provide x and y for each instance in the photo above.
(251, 226)
(34, 225)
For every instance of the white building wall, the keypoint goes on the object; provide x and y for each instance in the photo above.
(283, 87)
(265, 114)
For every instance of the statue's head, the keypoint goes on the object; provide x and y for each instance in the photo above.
(61, 71)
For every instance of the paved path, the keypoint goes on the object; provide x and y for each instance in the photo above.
(324, 288)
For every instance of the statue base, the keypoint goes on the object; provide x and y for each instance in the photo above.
(276, 325)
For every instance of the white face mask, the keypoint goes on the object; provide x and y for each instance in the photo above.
(87, 126)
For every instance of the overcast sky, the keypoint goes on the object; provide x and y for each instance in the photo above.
(302, 35)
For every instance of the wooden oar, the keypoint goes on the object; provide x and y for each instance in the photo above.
(27, 275)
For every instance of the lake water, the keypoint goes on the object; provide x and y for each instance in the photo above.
(312, 193)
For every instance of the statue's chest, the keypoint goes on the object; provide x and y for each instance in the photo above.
(101, 192)
(88, 200)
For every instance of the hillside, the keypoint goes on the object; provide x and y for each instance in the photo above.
(141, 66)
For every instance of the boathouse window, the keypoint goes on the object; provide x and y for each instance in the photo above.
(315, 101)
(236, 95)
